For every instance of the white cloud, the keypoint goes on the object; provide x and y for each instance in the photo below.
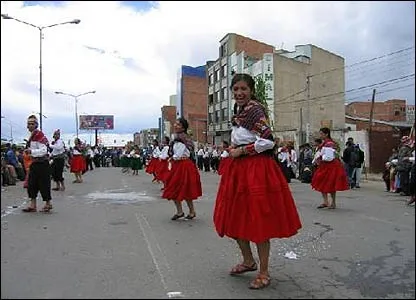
(155, 42)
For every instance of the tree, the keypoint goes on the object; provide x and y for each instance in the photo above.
(261, 95)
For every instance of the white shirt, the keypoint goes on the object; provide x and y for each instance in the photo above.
(180, 151)
(164, 154)
(242, 136)
(215, 153)
(156, 152)
(57, 148)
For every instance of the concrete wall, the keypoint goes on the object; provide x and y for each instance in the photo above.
(391, 110)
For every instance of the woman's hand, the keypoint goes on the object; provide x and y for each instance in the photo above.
(236, 152)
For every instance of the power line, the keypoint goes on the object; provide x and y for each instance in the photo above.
(364, 61)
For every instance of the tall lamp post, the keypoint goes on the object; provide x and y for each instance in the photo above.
(75, 97)
(40, 28)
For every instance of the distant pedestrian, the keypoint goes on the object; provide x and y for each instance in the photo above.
(330, 175)
(57, 148)
(39, 174)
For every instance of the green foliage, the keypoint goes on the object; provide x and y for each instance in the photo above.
(260, 94)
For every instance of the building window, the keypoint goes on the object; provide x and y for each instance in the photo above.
(211, 99)
(223, 50)
(211, 79)
(218, 93)
(210, 117)
(224, 114)
(217, 75)
(217, 116)
(397, 113)
(224, 71)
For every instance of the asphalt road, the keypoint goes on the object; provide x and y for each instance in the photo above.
(112, 237)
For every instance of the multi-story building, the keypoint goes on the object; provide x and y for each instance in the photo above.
(191, 100)
(302, 95)
(147, 136)
(168, 119)
(136, 139)
(172, 100)
(390, 110)
(410, 113)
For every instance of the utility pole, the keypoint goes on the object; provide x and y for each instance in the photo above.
(370, 125)
(308, 98)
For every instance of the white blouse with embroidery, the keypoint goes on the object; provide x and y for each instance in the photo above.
(242, 136)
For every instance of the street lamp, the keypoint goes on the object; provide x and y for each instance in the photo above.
(40, 28)
(75, 97)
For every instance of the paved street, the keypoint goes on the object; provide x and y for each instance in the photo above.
(112, 237)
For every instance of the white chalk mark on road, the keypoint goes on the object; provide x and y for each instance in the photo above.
(159, 259)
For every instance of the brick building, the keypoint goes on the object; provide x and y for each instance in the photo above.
(297, 110)
(167, 120)
(191, 100)
(390, 110)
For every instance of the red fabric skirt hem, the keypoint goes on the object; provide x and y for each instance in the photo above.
(330, 177)
(254, 201)
(182, 182)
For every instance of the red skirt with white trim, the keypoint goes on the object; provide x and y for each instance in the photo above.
(182, 182)
(254, 201)
(330, 177)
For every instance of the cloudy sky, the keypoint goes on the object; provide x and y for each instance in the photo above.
(130, 52)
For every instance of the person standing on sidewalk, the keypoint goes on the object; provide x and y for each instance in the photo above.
(58, 160)
(39, 173)
(254, 202)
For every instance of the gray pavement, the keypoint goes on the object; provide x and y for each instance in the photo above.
(112, 237)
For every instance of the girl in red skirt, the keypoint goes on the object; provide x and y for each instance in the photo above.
(78, 163)
(330, 175)
(254, 202)
(183, 181)
(162, 170)
(154, 161)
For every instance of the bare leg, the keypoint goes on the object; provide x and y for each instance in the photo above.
(179, 209)
(263, 250)
(248, 259)
(191, 207)
(333, 202)
(325, 202)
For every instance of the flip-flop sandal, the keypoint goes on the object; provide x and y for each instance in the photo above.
(241, 268)
(46, 208)
(29, 209)
(260, 282)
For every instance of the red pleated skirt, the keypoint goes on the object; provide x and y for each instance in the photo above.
(162, 170)
(182, 182)
(78, 164)
(152, 166)
(330, 177)
(254, 201)
(224, 165)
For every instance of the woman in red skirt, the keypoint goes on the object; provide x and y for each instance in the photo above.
(154, 161)
(183, 181)
(162, 170)
(78, 163)
(254, 202)
(330, 175)
(225, 158)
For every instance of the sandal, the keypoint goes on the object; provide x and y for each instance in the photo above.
(323, 205)
(242, 268)
(260, 282)
(190, 217)
(176, 216)
(29, 209)
(46, 208)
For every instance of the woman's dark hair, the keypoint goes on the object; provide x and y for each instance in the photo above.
(225, 143)
(251, 83)
(326, 130)
(184, 124)
(167, 140)
(156, 142)
(318, 141)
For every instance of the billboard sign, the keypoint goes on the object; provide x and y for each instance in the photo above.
(96, 122)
